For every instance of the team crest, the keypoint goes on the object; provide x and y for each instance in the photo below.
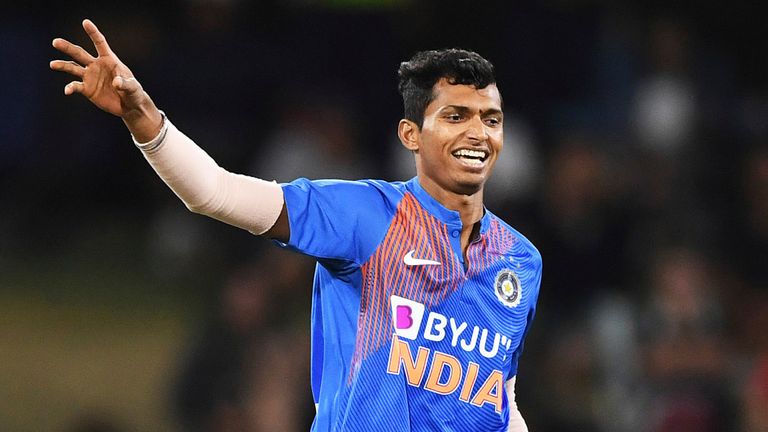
(508, 288)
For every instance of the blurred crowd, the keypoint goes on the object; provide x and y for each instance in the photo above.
(636, 159)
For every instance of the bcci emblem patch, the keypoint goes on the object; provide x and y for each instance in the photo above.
(507, 288)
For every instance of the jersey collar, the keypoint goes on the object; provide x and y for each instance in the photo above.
(433, 206)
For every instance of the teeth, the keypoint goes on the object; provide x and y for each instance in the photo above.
(474, 154)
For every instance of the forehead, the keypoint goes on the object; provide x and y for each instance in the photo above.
(483, 99)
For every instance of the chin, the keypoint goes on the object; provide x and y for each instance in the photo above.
(469, 187)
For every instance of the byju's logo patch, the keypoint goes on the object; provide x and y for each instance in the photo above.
(406, 316)
(428, 366)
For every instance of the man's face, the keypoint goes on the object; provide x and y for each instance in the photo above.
(461, 137)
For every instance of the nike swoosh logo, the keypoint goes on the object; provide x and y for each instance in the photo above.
(409, 260)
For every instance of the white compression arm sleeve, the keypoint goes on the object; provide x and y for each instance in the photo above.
(206, 188)
(516, 421)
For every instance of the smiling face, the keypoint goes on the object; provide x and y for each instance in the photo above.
(460, 139)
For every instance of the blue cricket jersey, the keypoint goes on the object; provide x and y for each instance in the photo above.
(406, 336)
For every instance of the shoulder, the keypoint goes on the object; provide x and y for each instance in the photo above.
(344, 204)
(340, 219)
(526, 258)
(522, 244)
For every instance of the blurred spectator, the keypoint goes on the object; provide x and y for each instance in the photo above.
(249, 371)
(690, 414)
(315, 137)
(663, 120)
(568, 382)
(752, 225)
(747, 243)
(618, 391)
(665, 100)
(683, 340)
(582, 225)
(755, 397)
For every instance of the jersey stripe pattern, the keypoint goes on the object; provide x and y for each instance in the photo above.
(384, 275)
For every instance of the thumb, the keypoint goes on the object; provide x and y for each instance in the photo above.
(127, 85)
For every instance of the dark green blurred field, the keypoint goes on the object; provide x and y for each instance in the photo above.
(84, 332)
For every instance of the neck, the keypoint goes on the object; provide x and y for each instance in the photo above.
(469, 206)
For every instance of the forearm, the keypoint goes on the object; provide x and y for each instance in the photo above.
(208, 189)
(516, 421)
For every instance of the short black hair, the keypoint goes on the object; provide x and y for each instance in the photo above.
(419, 75)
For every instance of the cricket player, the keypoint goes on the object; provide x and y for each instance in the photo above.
(422, 297)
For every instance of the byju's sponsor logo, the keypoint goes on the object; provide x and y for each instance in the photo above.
(407, 316)
(441, 372)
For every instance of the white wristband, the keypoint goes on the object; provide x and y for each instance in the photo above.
(155, 142)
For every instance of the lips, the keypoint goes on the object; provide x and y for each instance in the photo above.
(471, 157)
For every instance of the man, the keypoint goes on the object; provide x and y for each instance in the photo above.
(422, 297)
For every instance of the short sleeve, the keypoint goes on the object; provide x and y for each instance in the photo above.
(338, 219)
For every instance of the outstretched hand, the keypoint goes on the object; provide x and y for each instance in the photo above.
(107, 82)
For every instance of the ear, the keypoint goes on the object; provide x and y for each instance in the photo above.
(409, 134)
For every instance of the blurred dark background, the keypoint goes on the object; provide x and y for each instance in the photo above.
(636, 159)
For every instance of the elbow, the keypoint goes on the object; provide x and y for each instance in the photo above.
(197, 208)
(205, 207)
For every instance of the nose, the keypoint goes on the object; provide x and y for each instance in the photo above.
(476, 130)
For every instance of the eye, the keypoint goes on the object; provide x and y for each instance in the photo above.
(493, 121)
(454, 117)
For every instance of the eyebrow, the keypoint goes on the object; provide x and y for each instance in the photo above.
(464, 109)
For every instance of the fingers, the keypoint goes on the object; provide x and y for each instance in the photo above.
(99, 41)
(74, 87)
(69, 67)
(76, 52)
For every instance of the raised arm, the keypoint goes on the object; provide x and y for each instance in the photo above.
(204, 187)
